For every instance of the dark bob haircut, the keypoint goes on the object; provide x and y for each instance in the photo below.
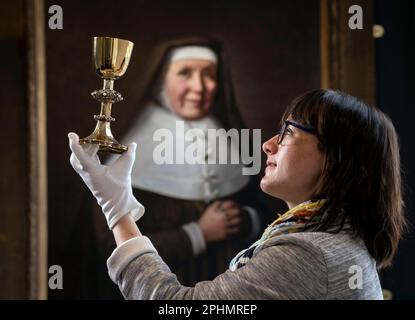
(362, 177)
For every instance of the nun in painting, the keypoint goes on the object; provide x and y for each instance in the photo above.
(199, 211)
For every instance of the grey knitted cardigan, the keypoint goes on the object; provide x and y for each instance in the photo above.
(306, 265)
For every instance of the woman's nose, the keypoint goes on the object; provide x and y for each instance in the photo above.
(270, 146)
(196, 83)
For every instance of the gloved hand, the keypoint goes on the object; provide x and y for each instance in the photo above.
(111, 185)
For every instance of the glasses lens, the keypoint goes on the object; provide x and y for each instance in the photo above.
(281, 133)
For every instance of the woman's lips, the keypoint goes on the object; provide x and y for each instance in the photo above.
(270, 166)
(193, 103)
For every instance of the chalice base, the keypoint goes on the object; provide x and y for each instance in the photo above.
(106, 144)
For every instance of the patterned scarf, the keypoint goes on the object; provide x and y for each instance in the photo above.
(297, 219)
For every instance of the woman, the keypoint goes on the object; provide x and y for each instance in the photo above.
(335, 163)
(200, 212)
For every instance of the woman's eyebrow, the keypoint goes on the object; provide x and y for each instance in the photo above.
(185, 66)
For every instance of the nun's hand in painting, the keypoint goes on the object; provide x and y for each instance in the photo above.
(220, 220)
(232, 212)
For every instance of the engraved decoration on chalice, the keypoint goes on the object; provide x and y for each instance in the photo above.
(110, 58)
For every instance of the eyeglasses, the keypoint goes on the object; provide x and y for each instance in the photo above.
(282, 132)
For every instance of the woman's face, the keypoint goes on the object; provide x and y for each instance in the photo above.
(294, 167)
(190, 87)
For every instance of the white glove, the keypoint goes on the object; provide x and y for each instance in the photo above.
(111, 185)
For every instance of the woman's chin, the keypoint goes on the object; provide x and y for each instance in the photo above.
(193, 114)
(264, 184)
(269, 186)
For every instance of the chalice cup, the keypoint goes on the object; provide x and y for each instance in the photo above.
(110, 58)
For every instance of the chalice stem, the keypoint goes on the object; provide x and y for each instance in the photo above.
(106, 109)
(105, 112)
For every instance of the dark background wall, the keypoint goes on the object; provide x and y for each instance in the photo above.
(274, 50)
(14, 153)
(395, 69)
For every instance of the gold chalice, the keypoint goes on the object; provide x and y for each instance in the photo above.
(110, 57)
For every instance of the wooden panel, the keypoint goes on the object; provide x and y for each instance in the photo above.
(347, 56)
(37, 150)
(23, 193)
